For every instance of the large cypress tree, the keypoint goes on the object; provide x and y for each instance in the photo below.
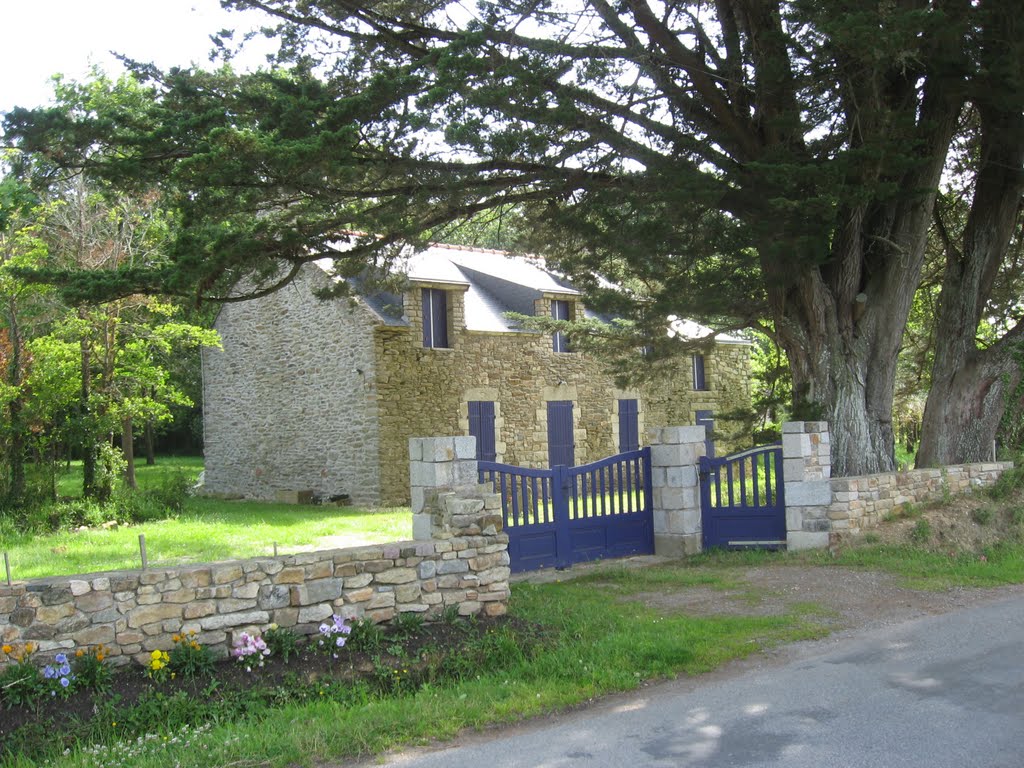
(733, 161)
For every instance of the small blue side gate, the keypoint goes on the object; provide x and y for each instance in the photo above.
(565, 515)
(741, 499)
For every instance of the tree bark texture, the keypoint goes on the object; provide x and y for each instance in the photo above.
(128, 449)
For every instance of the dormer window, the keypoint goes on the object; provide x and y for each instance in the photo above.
(560, 311)
(435, 318)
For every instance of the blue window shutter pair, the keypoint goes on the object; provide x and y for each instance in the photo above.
(559, 311)
(629, 426)
(481, 426)
(435, 318)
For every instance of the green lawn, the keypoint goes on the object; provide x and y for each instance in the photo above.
(208, 530)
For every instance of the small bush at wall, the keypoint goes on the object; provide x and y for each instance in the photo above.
(921, 532)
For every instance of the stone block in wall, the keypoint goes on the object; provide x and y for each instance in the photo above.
(808, 494)
(794, 469)
(799, 540)
(676, 545)
(673, 455)
(796, 445)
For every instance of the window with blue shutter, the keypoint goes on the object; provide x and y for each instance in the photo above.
(699, 381)
(559, 311)
(435, 318)
(561, 446)
(629, 426)
(481, 426)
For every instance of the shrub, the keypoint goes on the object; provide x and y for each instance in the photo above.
(281, 642)
(921, 532)
(91, 669)
(982, 515)
(365, 636)
(406, 625)
(21, 682)
(189, 658)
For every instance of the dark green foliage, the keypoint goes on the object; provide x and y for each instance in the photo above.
(190, 659)
(982, 515)
(921, 532)
(282, 642)
(365, 636)
(21, 684)
(407, 624)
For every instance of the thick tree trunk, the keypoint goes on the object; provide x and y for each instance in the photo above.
(128, 449)
(970, 386)
(963, 411)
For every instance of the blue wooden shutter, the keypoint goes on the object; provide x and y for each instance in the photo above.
(707, 419)
(629, 426)
(481, 426)
(435, 318)
(699, 382)
(559, 311)
(561, 449)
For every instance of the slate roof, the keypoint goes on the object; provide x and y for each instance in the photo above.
(497, 282)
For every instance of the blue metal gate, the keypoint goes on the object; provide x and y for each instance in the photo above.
(741, 499)
(565, 515)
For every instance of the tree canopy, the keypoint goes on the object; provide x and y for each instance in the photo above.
(744, 162)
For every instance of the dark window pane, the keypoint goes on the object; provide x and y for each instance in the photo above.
(699, 382)
(435, 317)
(559, 311)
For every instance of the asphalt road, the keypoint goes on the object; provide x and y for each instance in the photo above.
(942, 692)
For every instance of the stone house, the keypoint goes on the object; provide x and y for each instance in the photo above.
(323, 396)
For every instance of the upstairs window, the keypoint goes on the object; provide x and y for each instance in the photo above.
(435, 318)
(559, 311)
(699, 381)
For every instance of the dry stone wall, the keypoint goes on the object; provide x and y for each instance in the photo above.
(819, 505)
(289, 402)
(135, 612)
(861, 502)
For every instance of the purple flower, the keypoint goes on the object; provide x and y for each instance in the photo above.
(61, 658)
(49, 672)
(65, 668)
(64, 682)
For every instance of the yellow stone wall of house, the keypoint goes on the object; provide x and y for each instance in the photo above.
(424, 392)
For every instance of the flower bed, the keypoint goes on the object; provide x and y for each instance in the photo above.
(188, 688)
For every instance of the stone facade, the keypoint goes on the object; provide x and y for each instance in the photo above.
(132, 613)
(289, 402)
(520, 373)
(324, 396)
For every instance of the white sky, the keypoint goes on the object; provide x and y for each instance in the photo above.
(39, 38)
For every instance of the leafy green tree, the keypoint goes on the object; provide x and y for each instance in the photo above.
(751, 164)
(25, 310)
